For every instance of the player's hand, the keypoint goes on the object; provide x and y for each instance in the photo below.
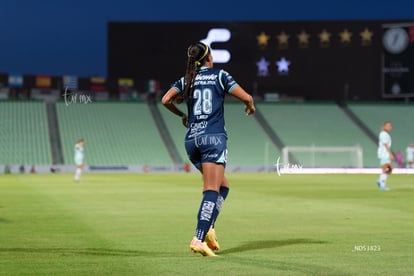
(392, 157)
(184, 120)
(249, 109)
(178, 99)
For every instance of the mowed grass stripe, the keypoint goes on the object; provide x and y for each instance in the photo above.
(42, 234)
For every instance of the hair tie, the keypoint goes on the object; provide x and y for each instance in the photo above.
(197, 63)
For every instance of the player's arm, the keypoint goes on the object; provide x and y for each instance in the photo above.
(246, 98)
(168, 102)
(389, 151)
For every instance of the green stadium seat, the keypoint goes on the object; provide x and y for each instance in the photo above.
(321, 125)
(400, 115)
(24, 133)
(115, 134)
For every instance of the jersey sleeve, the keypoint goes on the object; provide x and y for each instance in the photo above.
(226, 81)
(179, 85)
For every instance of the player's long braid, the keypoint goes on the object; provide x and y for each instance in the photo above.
(197, 54)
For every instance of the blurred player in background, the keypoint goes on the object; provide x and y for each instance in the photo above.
(399, 159)
(409, 156)
(204, 89)
(79, 158)
(385, 155)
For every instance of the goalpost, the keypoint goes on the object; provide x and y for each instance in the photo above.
(324, 157)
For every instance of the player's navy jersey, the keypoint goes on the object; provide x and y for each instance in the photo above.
(205, 107)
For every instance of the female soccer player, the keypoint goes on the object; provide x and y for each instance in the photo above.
(204, 88)
(385, 155)
(79, 158)
(410, 156)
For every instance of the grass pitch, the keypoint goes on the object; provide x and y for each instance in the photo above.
(142, 224)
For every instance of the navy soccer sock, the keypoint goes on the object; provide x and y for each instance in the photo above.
(224, 191)
(205, 214)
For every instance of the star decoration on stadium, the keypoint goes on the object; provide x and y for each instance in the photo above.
(345, 36)
(283, 66)
(303, 39)
(366, 37)
(324, 37)
(262, 67)
(283, 39)
(262, 39)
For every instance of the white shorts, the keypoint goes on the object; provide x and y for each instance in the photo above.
(385, 161)
(79, 161)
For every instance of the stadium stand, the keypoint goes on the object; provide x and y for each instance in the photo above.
(125, 133)
(116, 134)
(248, 144)
(400, 115)
(176, 129)
(317, 124)
(24, 135)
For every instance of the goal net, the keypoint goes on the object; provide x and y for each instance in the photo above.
(324, 157)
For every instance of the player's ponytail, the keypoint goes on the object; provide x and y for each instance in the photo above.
(196, 56)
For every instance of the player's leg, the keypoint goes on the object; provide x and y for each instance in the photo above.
(211, 237)
(78, 172)
(383, 176)
(386, 170)
(213, 175)
(212, 178)
(223, 192)
(221, 153)
(198, 244)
